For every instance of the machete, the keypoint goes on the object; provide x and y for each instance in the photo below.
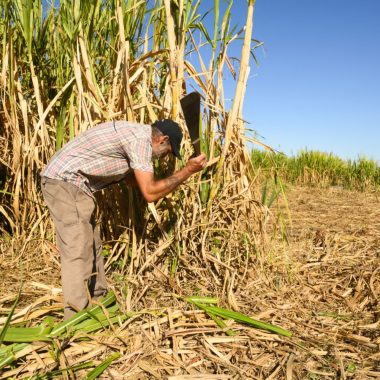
(191, 107)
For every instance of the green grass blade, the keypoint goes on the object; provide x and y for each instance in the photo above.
(7, 354)
(10, 358)
(5, 350)
(8, 320)
(60, 372)
(97, 371)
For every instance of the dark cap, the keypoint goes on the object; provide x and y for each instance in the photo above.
(171, 129)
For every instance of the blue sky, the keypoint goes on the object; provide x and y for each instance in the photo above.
(318, 83)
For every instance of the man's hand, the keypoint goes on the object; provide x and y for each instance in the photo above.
(196, 164)
(153, 190)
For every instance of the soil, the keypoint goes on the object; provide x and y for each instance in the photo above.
(332, 291)
(319, 277)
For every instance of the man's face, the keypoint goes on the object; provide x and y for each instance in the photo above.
(161, 147)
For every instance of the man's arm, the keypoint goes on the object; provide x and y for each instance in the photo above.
(153, 190)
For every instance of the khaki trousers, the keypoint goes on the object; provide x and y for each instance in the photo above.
(78, 239)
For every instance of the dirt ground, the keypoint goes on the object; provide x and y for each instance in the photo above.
(333, 289)
(323, 284)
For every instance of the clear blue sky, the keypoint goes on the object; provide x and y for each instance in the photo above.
(318, 83)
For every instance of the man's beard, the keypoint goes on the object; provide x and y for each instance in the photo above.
(160, 152)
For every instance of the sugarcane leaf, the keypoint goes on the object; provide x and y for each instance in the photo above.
(82, 315)
(236, 316)
(30, 334)
(221, 324)
(92, 325)
(242, 318)
(202, 300)
(26, 334)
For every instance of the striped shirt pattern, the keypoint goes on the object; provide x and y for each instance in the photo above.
(103, 155)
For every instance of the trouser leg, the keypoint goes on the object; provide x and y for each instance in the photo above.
(76, 265)
(100, 287)
(73, 214)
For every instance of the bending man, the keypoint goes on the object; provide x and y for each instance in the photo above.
(103, 155)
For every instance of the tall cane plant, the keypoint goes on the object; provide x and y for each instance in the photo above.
(68, 66)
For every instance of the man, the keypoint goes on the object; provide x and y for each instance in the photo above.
(104, 155)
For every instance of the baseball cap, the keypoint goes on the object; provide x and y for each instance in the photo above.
(171, 129)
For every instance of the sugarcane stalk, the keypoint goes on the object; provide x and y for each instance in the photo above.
(174, 83)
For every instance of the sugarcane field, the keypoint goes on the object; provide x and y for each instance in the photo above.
(145, 231)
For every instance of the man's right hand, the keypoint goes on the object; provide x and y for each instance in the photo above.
(196, 164)
(153, 190)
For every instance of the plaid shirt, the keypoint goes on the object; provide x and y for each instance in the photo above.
(103, 155)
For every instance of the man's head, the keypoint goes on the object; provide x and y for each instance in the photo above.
(166, 138)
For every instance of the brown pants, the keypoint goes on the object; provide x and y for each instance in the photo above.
(82, 266)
